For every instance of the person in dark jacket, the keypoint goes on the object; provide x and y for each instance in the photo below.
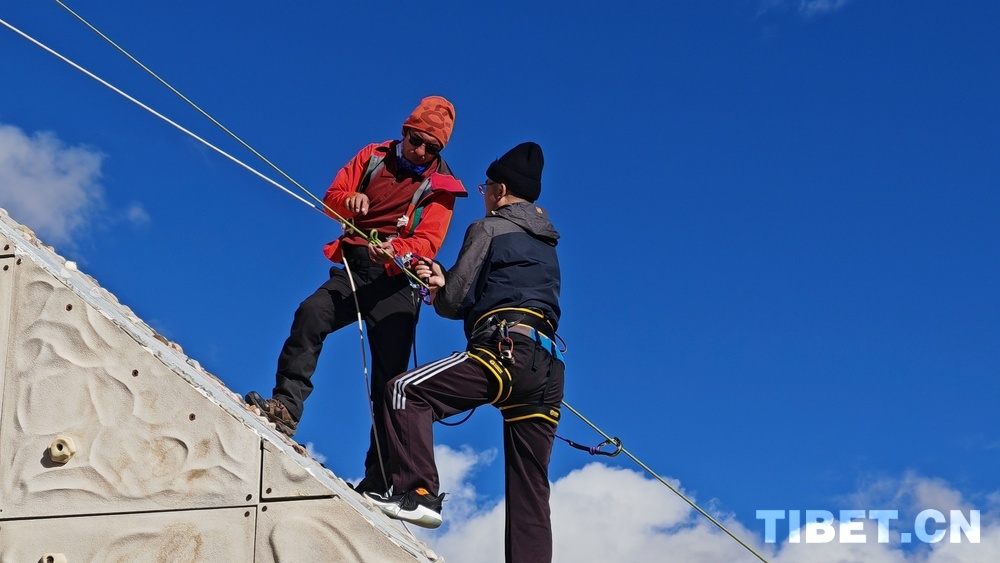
(404, 191)
(505, 287)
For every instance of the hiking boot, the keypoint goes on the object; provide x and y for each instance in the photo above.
(418, 507)
(275, 411)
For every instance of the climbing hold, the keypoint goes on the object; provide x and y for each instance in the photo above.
(62, 449)
(53, 558)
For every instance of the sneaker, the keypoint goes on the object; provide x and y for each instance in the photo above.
(275, 411)
(418, 506)
(363, 489)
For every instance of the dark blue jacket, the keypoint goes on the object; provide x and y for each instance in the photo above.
(508, 259)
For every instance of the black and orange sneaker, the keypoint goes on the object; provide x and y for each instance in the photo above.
(275, 411)
(418, 506)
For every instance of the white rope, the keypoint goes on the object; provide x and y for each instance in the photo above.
(364, 365)
(192, 104)
(159, 115)
(324, 208)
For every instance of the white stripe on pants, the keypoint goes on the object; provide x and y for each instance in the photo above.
(422, 374)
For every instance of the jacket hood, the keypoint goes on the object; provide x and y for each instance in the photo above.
(532, 219)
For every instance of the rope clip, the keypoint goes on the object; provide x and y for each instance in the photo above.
(407, 262)
(506, 354)
(610, 442)
(596, 450)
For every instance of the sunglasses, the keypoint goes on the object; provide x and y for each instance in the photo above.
(428, 148)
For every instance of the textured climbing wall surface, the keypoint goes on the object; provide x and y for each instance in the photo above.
(115, 446)
(144, 438)
(319, 530)
(199, 535)
(282, 478)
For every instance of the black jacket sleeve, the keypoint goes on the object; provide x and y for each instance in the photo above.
(456, 296)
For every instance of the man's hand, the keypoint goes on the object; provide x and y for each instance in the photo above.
(357, 204)
(381, 253)
(431, 272)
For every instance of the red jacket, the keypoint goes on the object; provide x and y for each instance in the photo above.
(432, 213)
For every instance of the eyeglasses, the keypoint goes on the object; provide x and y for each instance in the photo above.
(428, 148)
(485, 186)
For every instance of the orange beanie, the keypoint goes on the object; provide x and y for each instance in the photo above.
(434, 116)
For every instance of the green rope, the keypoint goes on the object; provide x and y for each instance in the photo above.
(372, 238)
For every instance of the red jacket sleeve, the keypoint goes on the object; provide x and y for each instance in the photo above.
(345, 183)
(430, 232)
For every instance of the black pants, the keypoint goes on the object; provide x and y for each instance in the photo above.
(464, 381)
(389, 308)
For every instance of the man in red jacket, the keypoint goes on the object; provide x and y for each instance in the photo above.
(404, 191)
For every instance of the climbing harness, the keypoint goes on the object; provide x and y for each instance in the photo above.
(517, 412)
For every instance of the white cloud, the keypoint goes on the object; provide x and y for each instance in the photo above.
(311, 450)
(602, 513)
(470, 523)
(136, 215)
(51, 188)
(455, 469)
(599, 513)
(909, 494)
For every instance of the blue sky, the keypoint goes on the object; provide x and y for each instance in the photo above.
(779, 226)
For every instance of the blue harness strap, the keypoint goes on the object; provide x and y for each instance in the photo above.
(545, 342)
(548, 344)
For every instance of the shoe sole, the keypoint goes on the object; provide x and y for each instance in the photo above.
(420, 516)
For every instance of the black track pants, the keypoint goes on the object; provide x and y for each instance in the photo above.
(464, 381)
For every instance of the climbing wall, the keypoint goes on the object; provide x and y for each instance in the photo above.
(115, 446)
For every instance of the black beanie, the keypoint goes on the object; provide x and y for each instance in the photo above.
(521, 170)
